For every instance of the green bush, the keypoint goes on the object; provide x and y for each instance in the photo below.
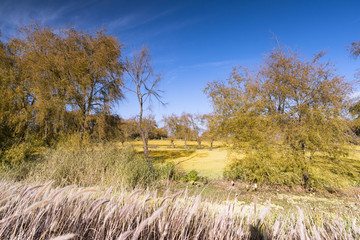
(19, 153)
(169, 171)
(191, 176)
(287, 168)
(265, 167)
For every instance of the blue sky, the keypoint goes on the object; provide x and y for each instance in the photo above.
(194, 42)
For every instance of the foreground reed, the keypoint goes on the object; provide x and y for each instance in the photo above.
(43, 212)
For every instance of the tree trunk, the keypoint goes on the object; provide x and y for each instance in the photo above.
(199, 143)
(211, 145)
(172, 143)
(145, 142)
(83, 126)
(144, 135)
(186, 144)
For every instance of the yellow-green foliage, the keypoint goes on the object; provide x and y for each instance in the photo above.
(55, 81)
(287, 168)
(282, 115)
(268, 167)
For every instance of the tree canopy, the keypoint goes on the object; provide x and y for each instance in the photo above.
(287, 109)
(53, 80)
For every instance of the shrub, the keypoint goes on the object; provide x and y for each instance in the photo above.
(273, 169)
(192, 176)
(19, 153)
(169, 171)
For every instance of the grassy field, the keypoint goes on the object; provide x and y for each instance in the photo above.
(209, 163)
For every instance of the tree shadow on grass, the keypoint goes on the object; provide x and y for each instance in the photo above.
(258, 232)
(160, 156)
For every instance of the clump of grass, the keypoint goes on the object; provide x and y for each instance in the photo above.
(42, 212)
(102, 165)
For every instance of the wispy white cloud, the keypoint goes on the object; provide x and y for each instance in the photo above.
(211, 64)
(172, 26)
(136, 19)
(15, 14)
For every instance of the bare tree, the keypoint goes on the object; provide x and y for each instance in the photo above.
(144, 83)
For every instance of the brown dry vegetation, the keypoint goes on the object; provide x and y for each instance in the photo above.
(43, 212)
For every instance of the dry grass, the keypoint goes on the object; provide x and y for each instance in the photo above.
(43, 212)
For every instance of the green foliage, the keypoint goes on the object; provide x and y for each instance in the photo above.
(18, 153)
(191, 176)
(270, 166)
(169, 171)
(287, 168)
(281, 115)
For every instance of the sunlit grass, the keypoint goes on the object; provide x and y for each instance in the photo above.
(212, 163)
(166, 143)
(209, 163)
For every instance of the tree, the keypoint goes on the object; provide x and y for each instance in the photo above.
(54, 82)
(172, 124)
(159, 133)
(130, 130)
(62, 70)
(6, 95)
(106, 127)
(179, 127)
(144, 83)
(283, 112)
(212, 129)
(94, 71)
(354, 49)
(196, 123)
(184, 128)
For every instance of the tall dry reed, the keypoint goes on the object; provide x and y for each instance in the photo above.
(43, 212)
